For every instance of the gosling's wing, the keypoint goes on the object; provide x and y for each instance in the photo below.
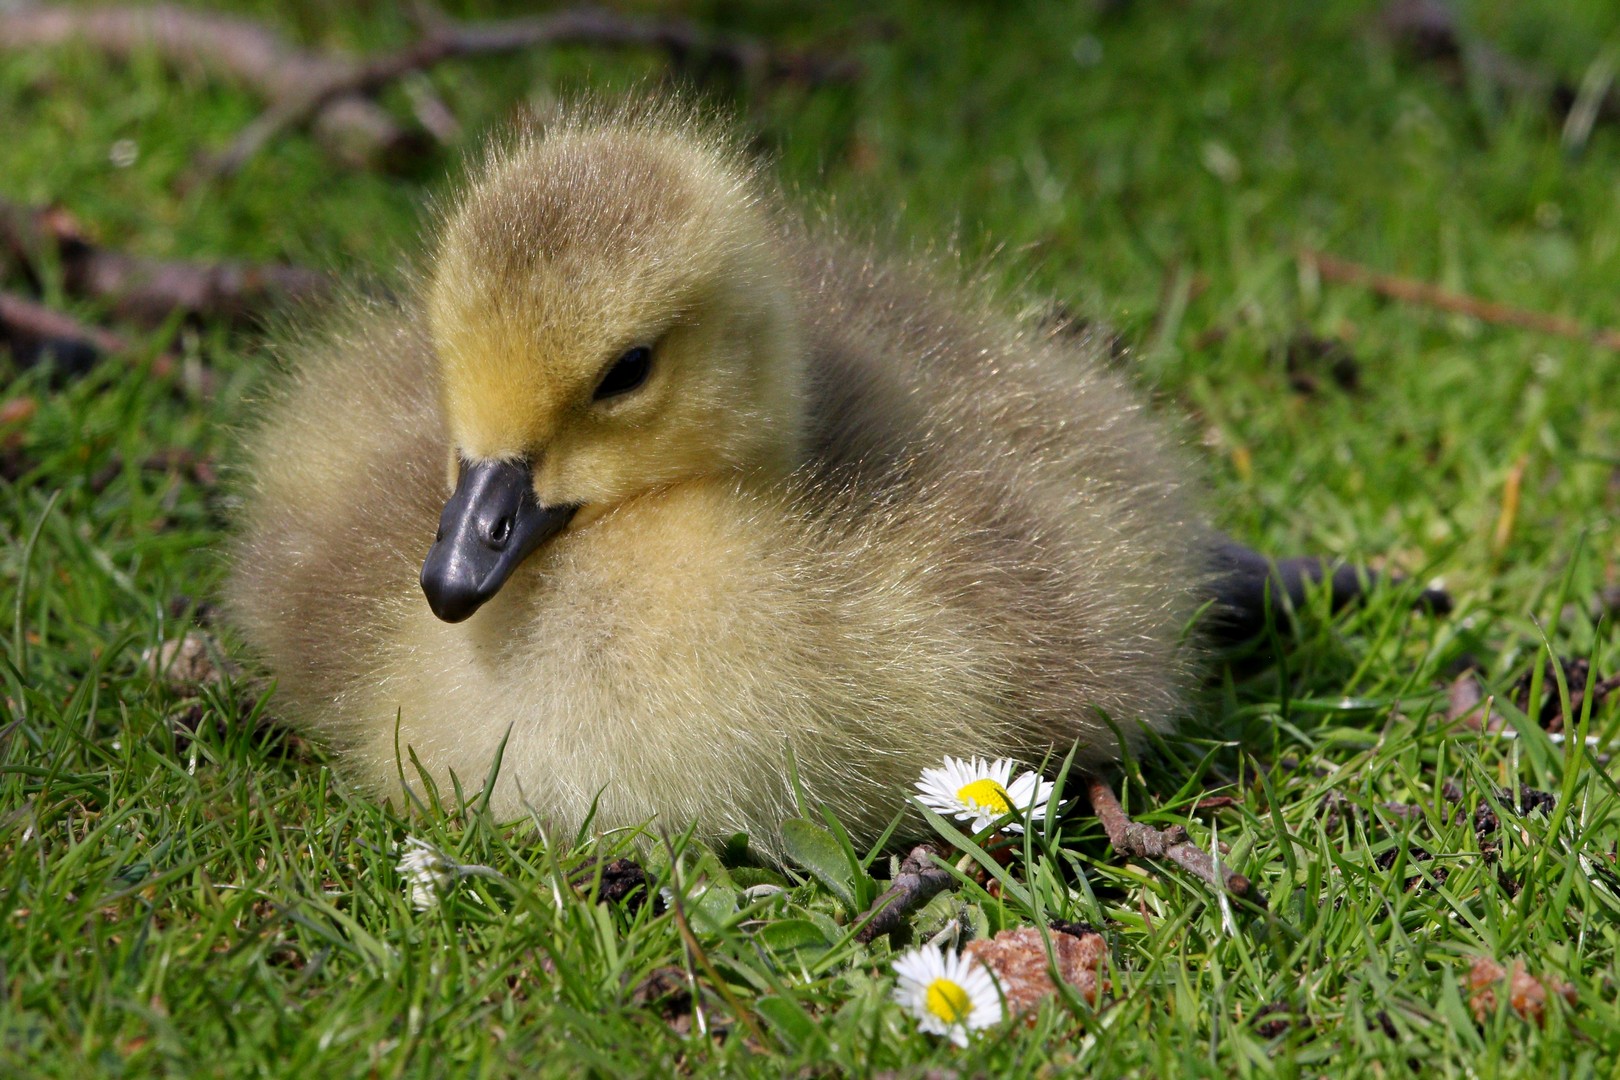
(339, 483)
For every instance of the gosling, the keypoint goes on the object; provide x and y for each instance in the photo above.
(711, 509)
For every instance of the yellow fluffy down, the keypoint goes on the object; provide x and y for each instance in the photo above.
(854, 522)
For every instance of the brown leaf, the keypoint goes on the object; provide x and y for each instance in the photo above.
(1482, 980)
(1018, 960)
(1527, 994)
(18, 410)
(188, 662)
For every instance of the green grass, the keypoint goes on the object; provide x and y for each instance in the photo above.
(225, 905)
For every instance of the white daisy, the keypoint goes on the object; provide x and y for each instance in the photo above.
(426, 871)
(949, 993)
(983, 792)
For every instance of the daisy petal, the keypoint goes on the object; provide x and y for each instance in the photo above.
(983, 792)
(950, 994)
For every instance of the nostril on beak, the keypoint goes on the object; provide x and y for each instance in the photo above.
(500, 531)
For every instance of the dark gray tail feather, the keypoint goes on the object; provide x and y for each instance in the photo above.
(1250, 589)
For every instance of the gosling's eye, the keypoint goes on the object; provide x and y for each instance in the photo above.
(628, 372)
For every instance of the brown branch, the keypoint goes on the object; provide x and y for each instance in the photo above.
(443, 40)
(146, 291)
(201, 469)
(1407, 290)
(32, 331)
(36, 326)
(233, 48)
(333, 88)
(1134, 840)
(920, 879)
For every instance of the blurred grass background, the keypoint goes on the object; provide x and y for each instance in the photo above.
(224, 906)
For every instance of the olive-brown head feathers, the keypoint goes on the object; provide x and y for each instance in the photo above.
(607, 302)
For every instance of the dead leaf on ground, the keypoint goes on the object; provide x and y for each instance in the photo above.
(1527, 994)
(189, 662)
(1018, 959)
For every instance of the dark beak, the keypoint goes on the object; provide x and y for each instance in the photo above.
(490, 525)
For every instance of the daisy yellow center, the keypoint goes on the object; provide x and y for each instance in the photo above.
(948, 1001)
(986, 793)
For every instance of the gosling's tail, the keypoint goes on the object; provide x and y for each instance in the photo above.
(1250, 590)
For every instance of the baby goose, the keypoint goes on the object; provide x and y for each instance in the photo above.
(730, 503)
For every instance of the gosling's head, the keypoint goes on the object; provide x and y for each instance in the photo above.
(611, 317)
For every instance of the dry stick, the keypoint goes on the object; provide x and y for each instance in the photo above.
(202, 470)
(23, 318)
(920, 879)
(224, 46)
(1134, 840)
(1406, 290)
(27, 323)
(147, 291)
(445, 40)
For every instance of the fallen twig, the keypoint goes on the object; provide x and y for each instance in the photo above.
(33, 332)
(447, 40)
(920, 879)
(1134, 840)
(201, 469)
(1410, 291)
(333, 89)
(146, 291)
(250, 53)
